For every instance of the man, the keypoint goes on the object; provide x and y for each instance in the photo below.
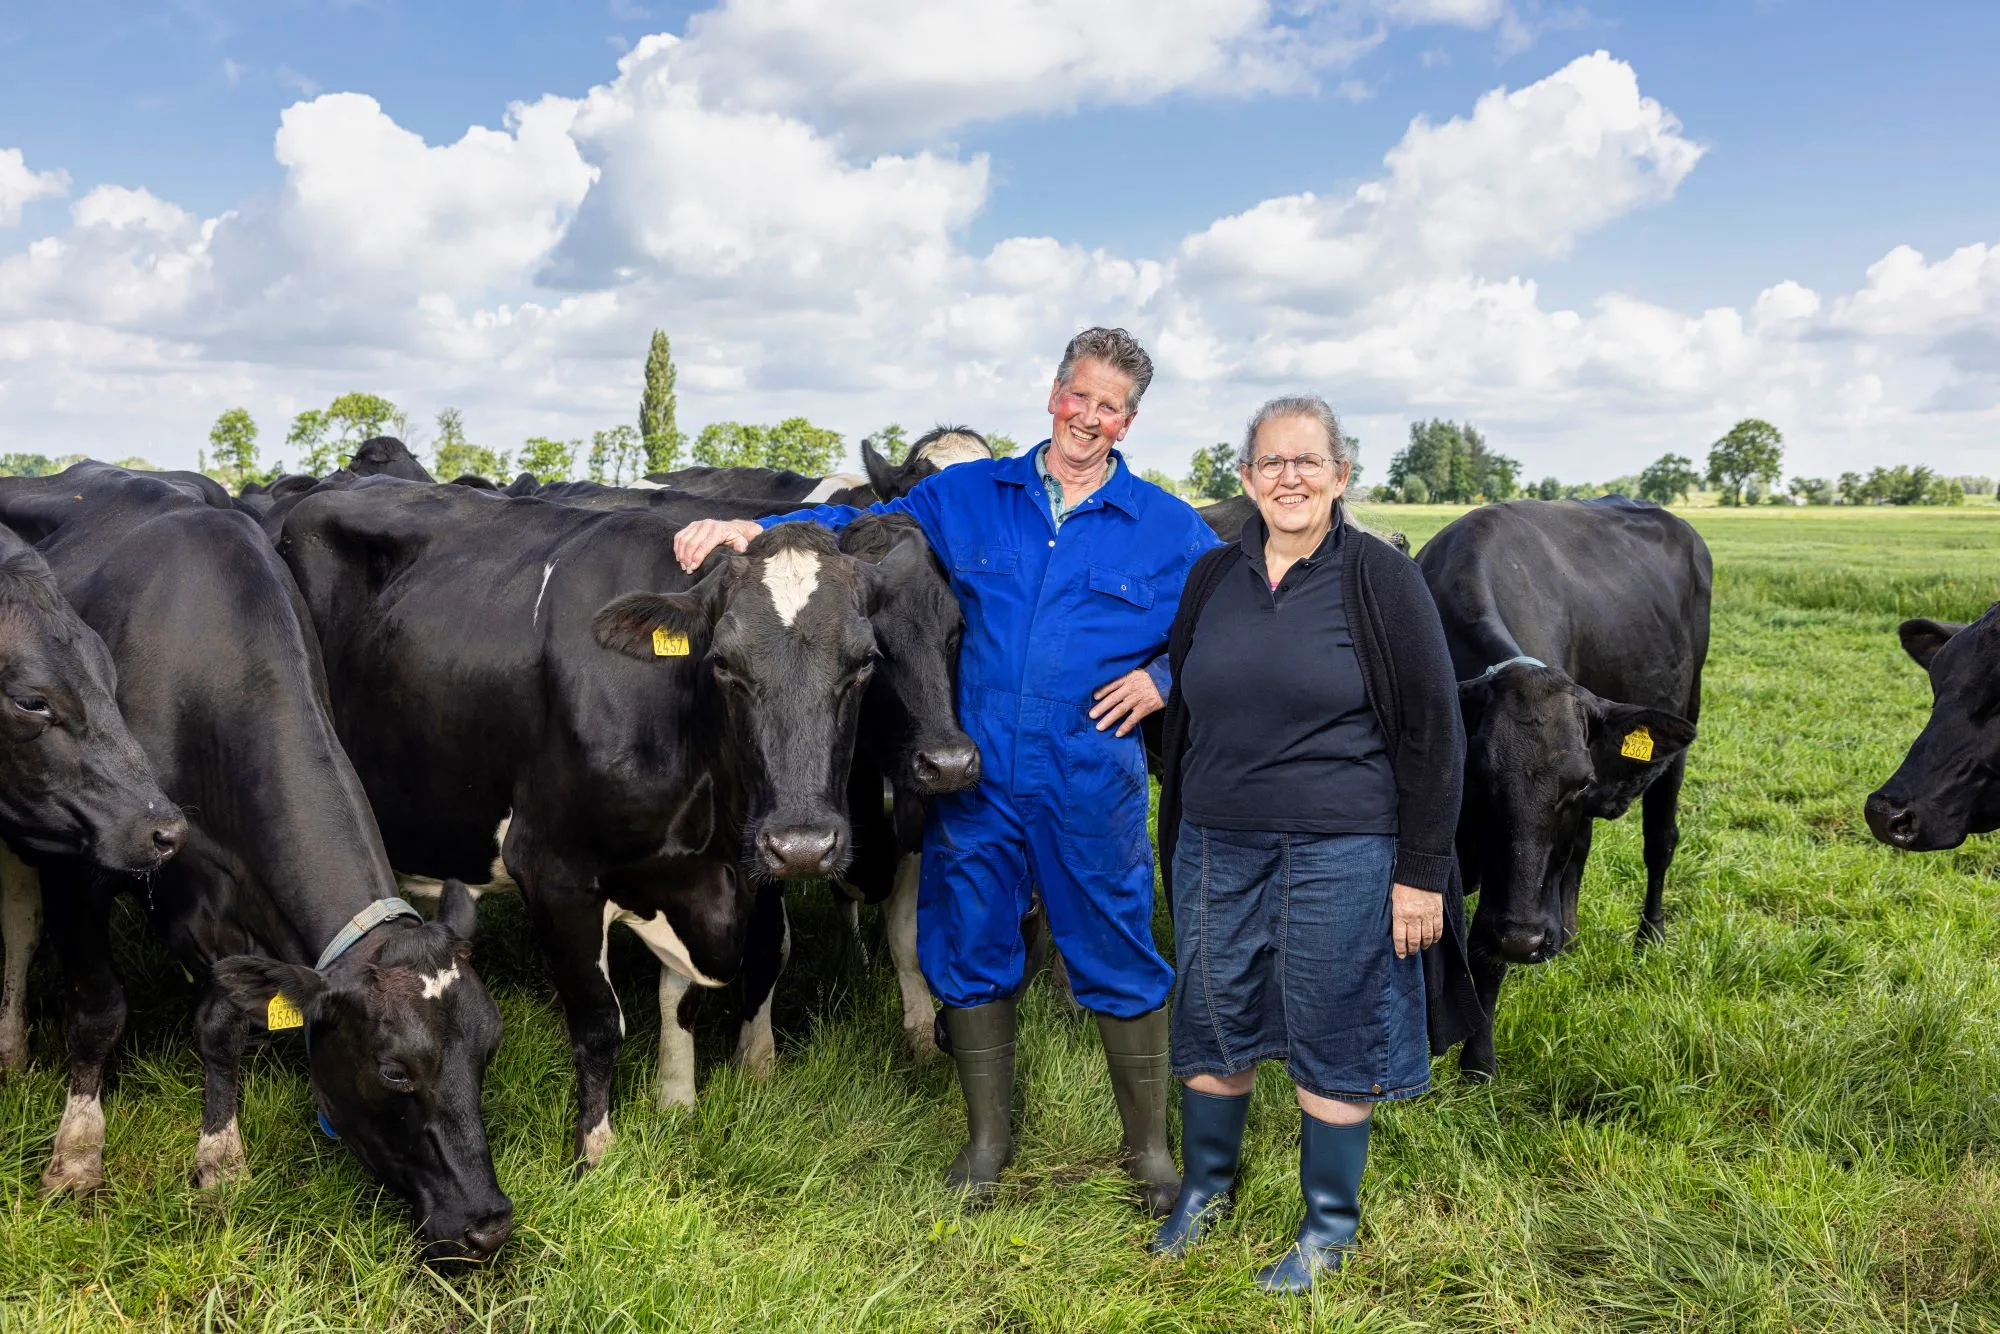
(1068, 567)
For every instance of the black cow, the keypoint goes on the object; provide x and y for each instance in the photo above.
(1578, 631)
(220, 678)
(1948, 786)
(933, 452)
(638, 744)
(386, 456)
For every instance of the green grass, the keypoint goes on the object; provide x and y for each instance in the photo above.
(1786, 1117)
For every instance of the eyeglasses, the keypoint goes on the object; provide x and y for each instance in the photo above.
(1080, 406)
(1309, 466)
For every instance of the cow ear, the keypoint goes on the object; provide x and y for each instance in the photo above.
(269, 992)
(456, 910)
(1473, 697)
(1923, 638)
(881, 473)
(904, 562)
(1629, 744)
(657, 625)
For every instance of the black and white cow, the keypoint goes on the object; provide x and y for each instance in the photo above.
(1578, 631)
(219, 676)
(637, 744)
(931, 453)
(1948, 786)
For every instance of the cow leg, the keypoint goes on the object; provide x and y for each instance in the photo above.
(764, 956)
(1476, 1060)
(221, 1035)
(574, 931)
(673, 1076)
(20, 929)
(919, 1012)
(79, 926)
(1660, 808)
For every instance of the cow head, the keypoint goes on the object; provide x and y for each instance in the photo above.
(1948, 786)
(386, 455)
(933, 452)
(1543, 756)
(75, 781)
(783, 632)
(910, 709)
(399, 1031)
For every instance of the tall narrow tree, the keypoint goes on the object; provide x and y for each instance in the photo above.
(658, 429)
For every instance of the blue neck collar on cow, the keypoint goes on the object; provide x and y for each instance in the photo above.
(359, 925)
(1509, 662)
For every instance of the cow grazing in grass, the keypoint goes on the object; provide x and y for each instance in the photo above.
(219, 677)
(660, 750)
(1948, 786)
(1578, 632)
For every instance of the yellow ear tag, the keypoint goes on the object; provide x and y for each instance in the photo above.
(669, 643)
(281, 1014)
(1638, 745)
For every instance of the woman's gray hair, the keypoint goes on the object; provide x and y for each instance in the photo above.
(1297, 405)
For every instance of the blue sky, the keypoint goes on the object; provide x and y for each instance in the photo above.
(1830, 135)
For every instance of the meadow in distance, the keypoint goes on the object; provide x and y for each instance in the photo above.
(1787, 1116)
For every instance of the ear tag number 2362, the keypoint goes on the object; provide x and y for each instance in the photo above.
(669, 643)
(1637, 745)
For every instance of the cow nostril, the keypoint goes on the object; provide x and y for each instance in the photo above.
(487, 1235)
(947, 768)
(800, 851)
(168, 836)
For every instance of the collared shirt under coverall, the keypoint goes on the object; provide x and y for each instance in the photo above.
(1051, 614)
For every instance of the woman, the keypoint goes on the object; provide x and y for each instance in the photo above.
(1307, 809)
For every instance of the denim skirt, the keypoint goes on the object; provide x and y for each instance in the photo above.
(1285, 952)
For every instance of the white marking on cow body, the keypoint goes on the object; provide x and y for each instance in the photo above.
(673, 1076)
(20, 928)
(220, 1157)
(78, 1160)
(950, 449)
(661, 939)
(498, 870)
(541, 592)
(756, 1047)
(597, 1141)
(611, 911)
(919, 1013)
(436, 984)
(647, 484)
(840, 481)
(422, 886)
(791, 576)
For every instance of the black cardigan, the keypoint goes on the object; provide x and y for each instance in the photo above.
(1407, 673)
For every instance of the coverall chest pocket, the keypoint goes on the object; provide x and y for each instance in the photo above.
(987, 560)
(1125, 587)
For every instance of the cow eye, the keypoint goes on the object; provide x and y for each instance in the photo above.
(395, 1076)
(33, 704)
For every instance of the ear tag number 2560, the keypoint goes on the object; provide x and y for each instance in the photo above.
(669, 643)
(282, 1014)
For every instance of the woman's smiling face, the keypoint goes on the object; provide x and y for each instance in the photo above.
(1292, 502)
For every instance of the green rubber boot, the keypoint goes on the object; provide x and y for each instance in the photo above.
(1141, 1078)
(982, 1047)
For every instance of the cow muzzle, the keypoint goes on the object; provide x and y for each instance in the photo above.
(951, 766)
(803, 850)
(1901, 825)
(1523, 942)
(477, 1241)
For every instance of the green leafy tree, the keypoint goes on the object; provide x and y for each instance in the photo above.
(1212, 473)
(891, 443)
(799, 446)
(616, 456)
(1416, 491)
(1751, 452)
(729, 445)
(1003, 446)
(1668, 478)
(135, 463)
(1548, 489)
(1813, 490)
(455, 456)
(307, 440)
(659, 431)
(27, 465)
(1455, 464)
(231, 457)
(1161, 480)
(549, 460)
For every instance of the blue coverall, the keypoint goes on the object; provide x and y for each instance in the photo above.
(1050, 616)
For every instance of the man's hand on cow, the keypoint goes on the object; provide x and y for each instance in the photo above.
(1125, 701)
(693, 543)
(1418, 917)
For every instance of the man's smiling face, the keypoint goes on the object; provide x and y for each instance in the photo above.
(1089, 413)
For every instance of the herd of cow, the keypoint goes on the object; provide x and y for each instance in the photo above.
(267, 715)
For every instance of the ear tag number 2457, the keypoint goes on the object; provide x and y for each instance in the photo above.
(669, 643)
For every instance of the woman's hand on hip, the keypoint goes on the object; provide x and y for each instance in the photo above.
(1418, 918)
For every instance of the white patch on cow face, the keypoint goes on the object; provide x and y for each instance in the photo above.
(436, 984)
(547, 570)
(791, 577)
(951, 449)
(659, 936)
(840, 481)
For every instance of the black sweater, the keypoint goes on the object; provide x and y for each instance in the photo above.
(1407, 674)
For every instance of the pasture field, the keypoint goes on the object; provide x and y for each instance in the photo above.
(1785, 1117)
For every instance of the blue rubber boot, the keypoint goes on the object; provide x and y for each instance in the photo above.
(1331, 1161)
(1211, 1146)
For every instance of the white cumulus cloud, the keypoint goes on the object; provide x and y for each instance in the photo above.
(20, 186)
